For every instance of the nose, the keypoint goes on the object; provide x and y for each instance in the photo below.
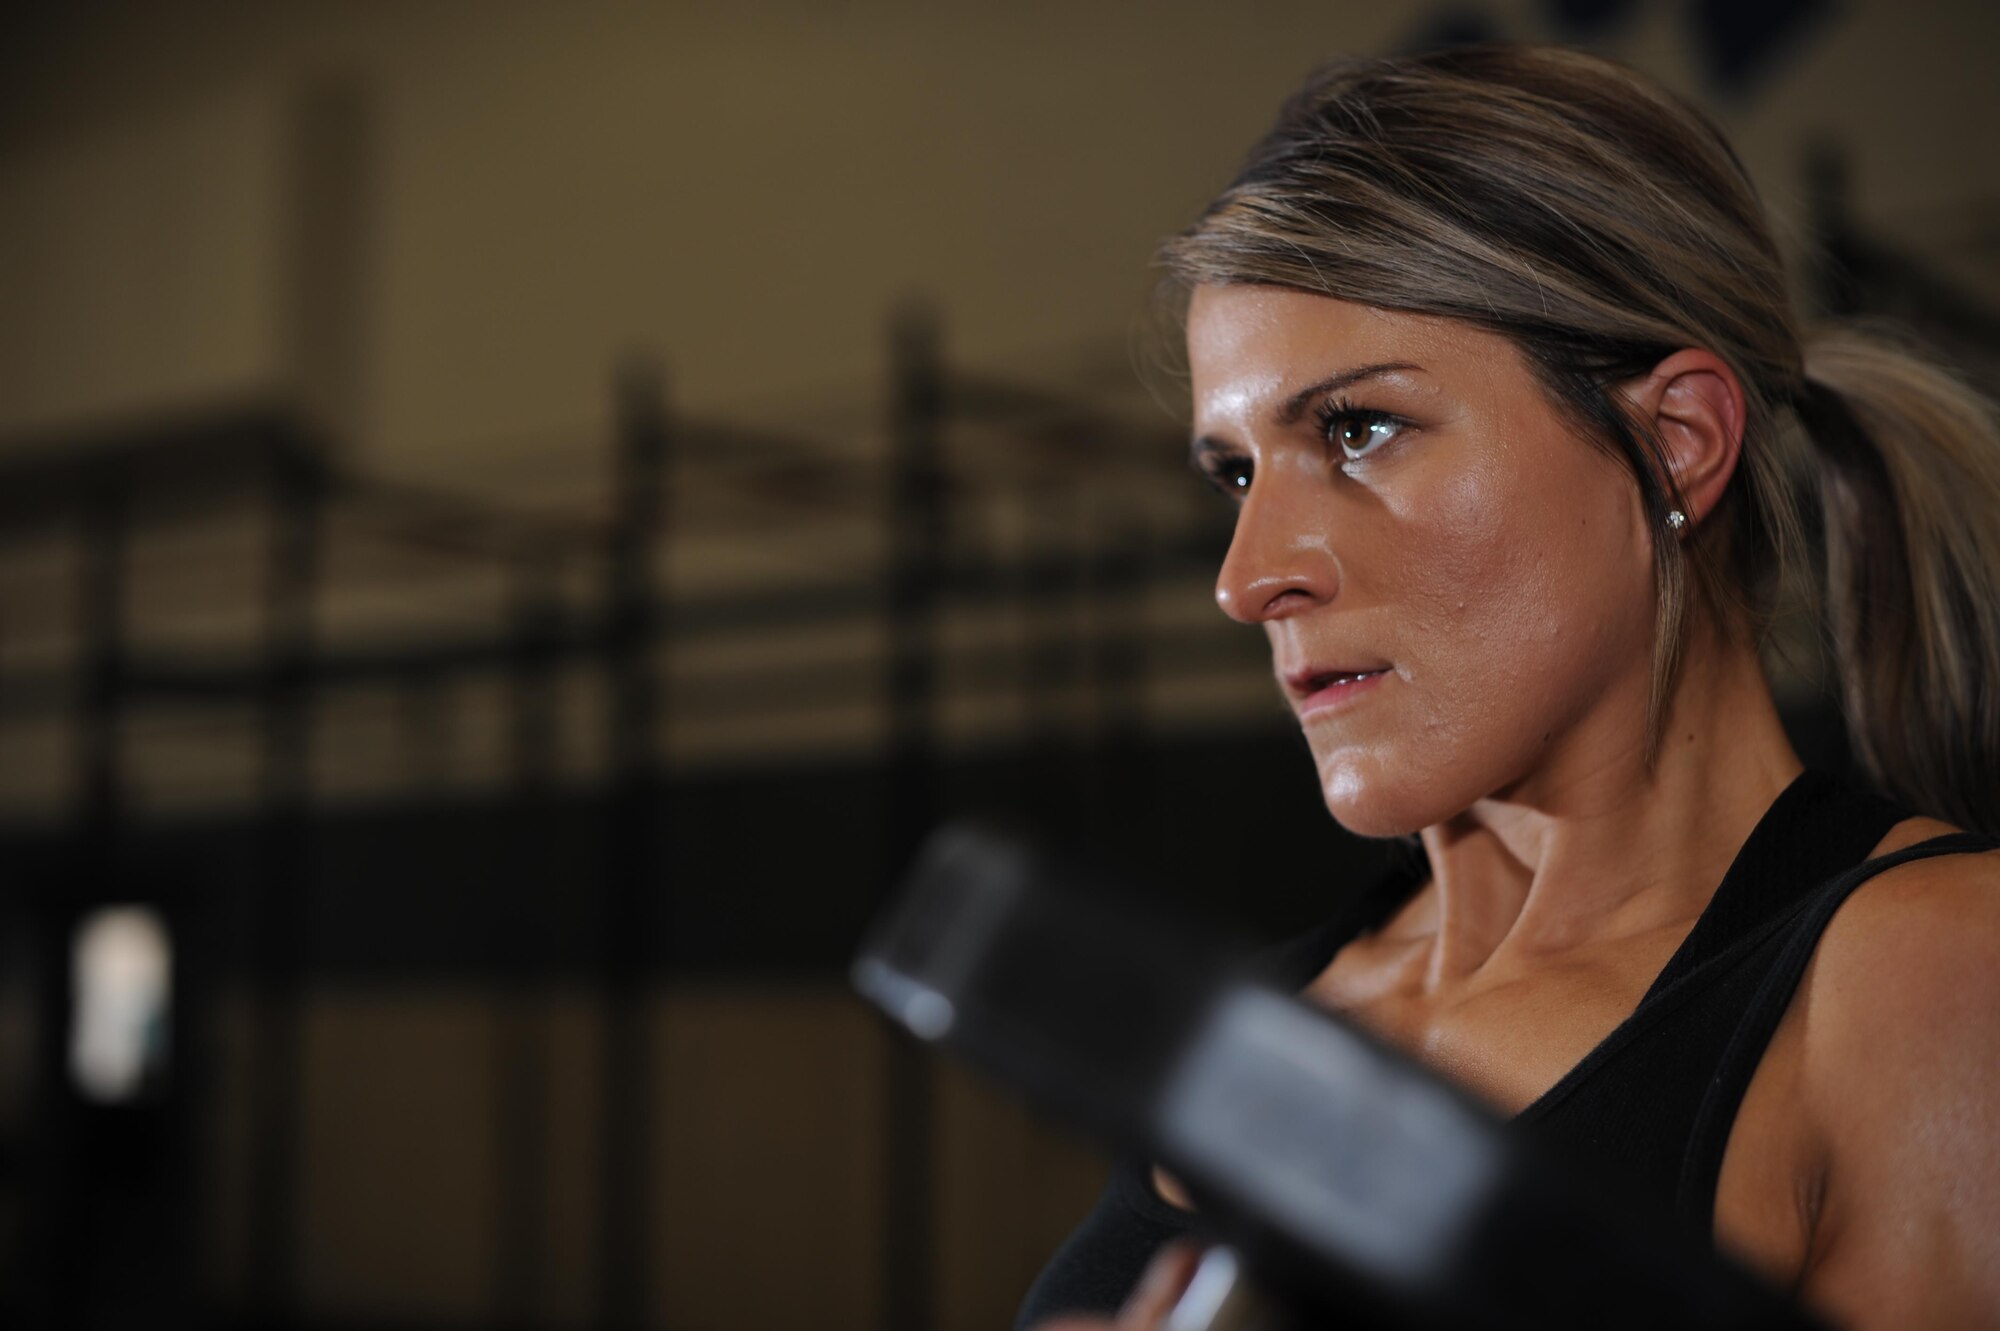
(1280, 561)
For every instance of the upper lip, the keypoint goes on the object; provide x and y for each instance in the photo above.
(1308, 680)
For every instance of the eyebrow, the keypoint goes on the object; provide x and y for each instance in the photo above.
(1295, 406)
(1293, 410)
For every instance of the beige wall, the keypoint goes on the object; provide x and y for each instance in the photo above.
(743, 189)
(138, 260)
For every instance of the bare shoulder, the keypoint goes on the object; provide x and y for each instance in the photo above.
(1913, 954)
(1900, 1078)
(1930, 923)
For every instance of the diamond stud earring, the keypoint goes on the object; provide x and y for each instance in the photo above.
(1677, 519)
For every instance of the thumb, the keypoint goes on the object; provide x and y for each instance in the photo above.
(1157, 1292)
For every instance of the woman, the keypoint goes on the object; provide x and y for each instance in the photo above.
(1493, 350)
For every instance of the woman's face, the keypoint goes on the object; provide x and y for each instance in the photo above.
(1457, 586)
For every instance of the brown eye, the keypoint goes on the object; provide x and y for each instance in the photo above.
(1359, 433)
(1229, 476)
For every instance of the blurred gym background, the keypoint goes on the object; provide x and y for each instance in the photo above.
(514, 518)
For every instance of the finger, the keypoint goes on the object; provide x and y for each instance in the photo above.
(1161, 1287)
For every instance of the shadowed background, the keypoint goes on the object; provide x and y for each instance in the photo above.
(513, 520)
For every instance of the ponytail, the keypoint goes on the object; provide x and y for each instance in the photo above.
(1908, 462)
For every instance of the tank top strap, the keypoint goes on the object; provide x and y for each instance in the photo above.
(1819, 825)
(1701, 1167)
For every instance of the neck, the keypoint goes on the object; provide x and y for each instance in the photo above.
(1600, 844)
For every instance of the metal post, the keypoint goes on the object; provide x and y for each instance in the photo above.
(61, 1270)
(1117, 579)
(521, 1086)
(285, 862)
(103, 604)
(635, 877)
(1051, 581)
(917, 545)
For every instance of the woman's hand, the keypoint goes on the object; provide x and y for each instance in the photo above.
(1152, 1299)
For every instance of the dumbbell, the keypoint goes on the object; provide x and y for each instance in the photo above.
(1348, 1186)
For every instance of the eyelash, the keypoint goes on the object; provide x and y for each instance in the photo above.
(1230, 475)
(1336, 414)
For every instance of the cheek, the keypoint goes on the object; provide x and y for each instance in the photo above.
(1512, 601)
(1514, 608)
(1481, 584)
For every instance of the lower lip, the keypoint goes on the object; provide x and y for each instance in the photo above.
(1339, 695)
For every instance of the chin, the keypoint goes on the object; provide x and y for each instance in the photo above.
(1395, 791)
(1370, 803)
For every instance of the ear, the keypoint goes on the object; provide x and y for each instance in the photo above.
(1694, 403)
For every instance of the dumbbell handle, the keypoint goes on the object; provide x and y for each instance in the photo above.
(1221, 1297)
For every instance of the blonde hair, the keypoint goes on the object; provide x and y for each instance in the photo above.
(1602, 223)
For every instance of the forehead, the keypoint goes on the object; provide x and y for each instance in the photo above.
(1251, 344)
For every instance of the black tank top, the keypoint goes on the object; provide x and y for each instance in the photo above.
(1648, 1111)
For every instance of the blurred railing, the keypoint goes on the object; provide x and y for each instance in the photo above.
(995, 577)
